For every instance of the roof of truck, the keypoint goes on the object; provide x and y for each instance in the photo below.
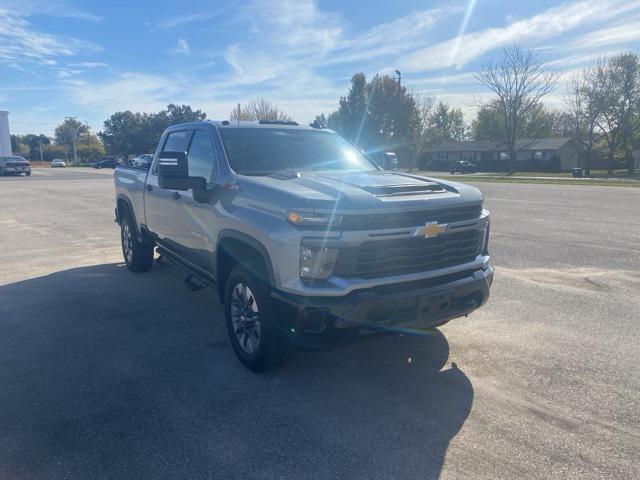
(229, 124)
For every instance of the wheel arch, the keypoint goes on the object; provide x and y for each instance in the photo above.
(233, 248)
(123, 204)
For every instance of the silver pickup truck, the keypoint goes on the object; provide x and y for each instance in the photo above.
(307, 241)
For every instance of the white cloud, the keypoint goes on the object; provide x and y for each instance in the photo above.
(131, 91)
(548, 24)
(89, 64)
(22, 44)
(54, 8)
(182, 48)
(617, 35)
(301, 38)
(181, 20)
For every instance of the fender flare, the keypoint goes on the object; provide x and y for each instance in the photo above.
(126, 200)
(252, 242)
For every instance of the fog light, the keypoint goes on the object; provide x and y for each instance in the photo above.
(317, 262)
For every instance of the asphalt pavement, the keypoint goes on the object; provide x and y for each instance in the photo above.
(106, 374)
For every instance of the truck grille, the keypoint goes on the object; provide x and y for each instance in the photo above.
(410, 219)
(381, 258)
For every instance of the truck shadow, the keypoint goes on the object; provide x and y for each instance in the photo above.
(108, 374)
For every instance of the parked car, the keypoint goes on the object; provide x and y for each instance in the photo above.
(107, 163)
(307, 242)
(58, 163)
(142, 161)
(14, 165)
(463, 166)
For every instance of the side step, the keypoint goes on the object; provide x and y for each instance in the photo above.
(195, 280)
(193, 283)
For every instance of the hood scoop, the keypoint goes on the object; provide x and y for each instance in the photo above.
(404, 190)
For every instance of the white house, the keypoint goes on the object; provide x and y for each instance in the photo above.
(5, 137)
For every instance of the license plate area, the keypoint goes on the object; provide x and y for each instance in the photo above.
(434, 304)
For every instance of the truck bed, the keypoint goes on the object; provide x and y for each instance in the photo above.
(129, 183)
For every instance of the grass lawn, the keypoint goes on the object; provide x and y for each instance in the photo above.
(530, 177)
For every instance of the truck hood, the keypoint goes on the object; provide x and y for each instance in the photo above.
(370, 191)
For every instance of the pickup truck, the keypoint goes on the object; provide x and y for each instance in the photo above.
(307, 241)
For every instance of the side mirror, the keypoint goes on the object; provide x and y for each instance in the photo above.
(173, 173)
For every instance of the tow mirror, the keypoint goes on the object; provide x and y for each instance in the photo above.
(173, 173)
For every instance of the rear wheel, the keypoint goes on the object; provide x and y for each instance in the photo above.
(138, 255)
(250, 318)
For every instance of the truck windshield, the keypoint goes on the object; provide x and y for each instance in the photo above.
(265, 151)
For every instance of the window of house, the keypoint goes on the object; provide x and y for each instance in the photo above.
(442, 155)
(467, 156)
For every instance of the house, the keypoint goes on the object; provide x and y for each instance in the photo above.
(536, 155)
(5, 137)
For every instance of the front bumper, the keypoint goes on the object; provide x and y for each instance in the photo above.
(324, 322)
(25, 169)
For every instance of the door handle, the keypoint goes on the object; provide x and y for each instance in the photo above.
(176, 195)
(148, 187)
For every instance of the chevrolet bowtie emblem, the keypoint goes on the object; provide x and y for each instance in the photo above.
(431, 230)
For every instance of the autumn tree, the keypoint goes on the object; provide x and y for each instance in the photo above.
(519, 81)
(259, 109)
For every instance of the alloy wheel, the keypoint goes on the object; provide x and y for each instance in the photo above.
(245, 318)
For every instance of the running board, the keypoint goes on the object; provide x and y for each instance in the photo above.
(196, 280)
(193, 283)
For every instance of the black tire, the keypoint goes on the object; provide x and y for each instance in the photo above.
(28, 174)
(138, 255)
(270, 349)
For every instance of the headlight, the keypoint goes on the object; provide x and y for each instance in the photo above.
(304, 219)
(317, 262)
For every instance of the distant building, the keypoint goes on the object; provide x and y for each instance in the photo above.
(534, 155)
(5, 136)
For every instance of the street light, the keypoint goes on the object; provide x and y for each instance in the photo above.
(399, 74)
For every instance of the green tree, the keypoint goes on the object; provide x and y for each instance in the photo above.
(50, 152)
(445, 124)
(321, 121)
(537, 122)
(18, 146)
(90, 147)
(127, 133)
(379, 115)
(70, 131)
(181, 114)
(616, 86)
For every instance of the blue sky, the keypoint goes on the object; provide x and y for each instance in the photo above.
(89, 59)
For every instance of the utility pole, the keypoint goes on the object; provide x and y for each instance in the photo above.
(40, 145)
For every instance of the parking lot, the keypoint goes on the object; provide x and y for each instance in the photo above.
(109, 374)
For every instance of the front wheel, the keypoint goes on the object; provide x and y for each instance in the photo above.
(250, 318)
(138, 255)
